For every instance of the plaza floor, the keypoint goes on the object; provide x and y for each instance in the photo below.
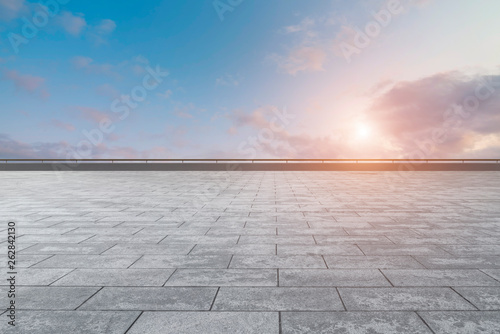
(252, 252)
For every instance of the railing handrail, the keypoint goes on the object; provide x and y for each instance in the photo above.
(249, 160)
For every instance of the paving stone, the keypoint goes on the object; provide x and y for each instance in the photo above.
(451, 262)
(141, 249)
(352, 323)
(264, 249)
(273, 261)
(472, 250)
(115, 277)
(484, 298)
(463, 322)
(402, 299)
(183, 261)
(254, 229)
(277, 239)
(223, 230)
(129, 239)
(437, 277)
(88, 261)
(78, 322)
(104, 230)
(71, 248)
(34, 276)
(169, 230)
(152, 299)
(402, 250)
(371, 262)
(223, 277)
(48, 238)
(277, 299)
(331, 277)
(49, 298)
(287, 250)
(201, 239)
(207, 323)
(26, 260)
(352, 240)
(45, 230)
(495, 273)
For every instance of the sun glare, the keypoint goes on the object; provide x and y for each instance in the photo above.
(363, 131)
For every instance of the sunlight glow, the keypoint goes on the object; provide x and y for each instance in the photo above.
(363, 131)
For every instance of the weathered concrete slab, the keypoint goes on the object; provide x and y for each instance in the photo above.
(152, 299)
(247, 252)
(402, 299)
(353, 323)
(206, 322)
(463, 322)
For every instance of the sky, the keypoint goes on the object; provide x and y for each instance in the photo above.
(249, 79)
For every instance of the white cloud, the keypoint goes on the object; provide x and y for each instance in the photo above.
(227, 80)
(302, 59)
(73, 24)
(304, 25)
(106, 27)
(166, 95)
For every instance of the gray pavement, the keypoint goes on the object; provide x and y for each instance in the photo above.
(252, 252)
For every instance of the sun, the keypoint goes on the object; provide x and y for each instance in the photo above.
(363, 131)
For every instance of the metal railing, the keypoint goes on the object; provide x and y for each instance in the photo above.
(247, 160)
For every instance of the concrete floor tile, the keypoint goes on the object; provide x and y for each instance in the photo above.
(115, 277)
(273, 261)
(484, 298)
(223, 277)
(152, 299)
(183, 261)
(352, 323)
(50, 298)
(371, 262)
(77, 322)
(402, 299)
(331, 277)
(463, 322)
(277, 299)
(206, 322)
(439, 277)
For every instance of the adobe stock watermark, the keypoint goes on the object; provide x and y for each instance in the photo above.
(364, 37)
(121, 107)
(31, 26)
(223, 6)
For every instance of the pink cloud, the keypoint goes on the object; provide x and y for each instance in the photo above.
(11, 9)
(94, 115)
(88, 64)
(62, 125)
(13, 149)
(302, 59)
(108, 90)
(26, 82)
(432, 115)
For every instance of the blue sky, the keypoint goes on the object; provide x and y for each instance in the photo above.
(249, 79)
